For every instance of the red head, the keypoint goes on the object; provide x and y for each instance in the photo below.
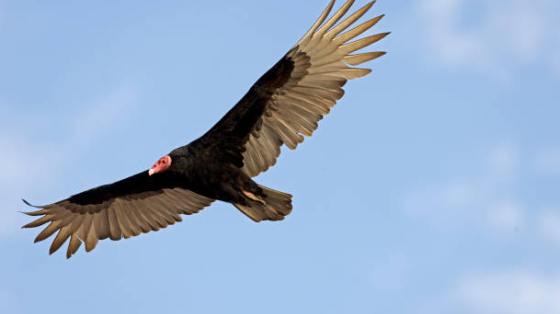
(161, 165)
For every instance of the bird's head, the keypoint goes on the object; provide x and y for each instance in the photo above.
(161, 165)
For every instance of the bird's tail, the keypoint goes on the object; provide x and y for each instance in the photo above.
(274, 205)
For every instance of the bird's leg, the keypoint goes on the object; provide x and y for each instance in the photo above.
(253, 197)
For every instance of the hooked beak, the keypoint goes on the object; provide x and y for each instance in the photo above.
(150, 172)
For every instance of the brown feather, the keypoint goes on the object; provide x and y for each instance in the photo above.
(74, 245)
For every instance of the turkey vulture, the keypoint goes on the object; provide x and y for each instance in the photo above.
(282, 107)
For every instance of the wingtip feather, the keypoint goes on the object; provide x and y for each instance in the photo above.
(30, 205)
(36, 213)
(363, 58)
(364, 42)
(317, 23)
(336, 16)
(349, 20)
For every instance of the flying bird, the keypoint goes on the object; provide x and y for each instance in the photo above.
(281, 108)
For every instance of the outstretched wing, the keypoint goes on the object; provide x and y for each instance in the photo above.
(127, 208)
(288, 101)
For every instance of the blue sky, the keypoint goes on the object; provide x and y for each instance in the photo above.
(432, 187)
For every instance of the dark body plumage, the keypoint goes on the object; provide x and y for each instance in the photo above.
(282, 107)
(214, 162)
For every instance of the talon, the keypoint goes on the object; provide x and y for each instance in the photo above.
(254, 197)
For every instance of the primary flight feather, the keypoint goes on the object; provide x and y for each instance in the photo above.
(281, 108)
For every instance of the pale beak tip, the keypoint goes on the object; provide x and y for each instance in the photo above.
(150, 172)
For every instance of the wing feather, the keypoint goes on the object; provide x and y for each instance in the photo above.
(83, 230)
(285, 105)
(361, 43)
(349, 20)
(318, 23)
(101, 221)
(362, 58)
(137, 219)
(61, 237)
(336, 17)
(124, 209)
(115, 230)
(123, 221)
(295, 108)
(48, 231)
(73, 246)
(92, 236)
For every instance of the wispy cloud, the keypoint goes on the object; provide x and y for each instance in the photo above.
(21, 169)
(21, 148)
(99, 116)
(548, 160)
(502, 163)
(10, 302)
(496, 37)
(555, 62)
(486, 197)
(489, 200)
(548, 225)
(506, 215)
(510, 292)
(390, 273)
(29, 162)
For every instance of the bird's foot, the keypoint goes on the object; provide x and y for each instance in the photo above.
(254, 197)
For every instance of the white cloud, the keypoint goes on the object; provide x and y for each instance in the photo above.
(497, 37)
(29, 163)
(506, 216)
(98, 116)
(502, 163)
(555, 62)
(510, 292)
(485, 198)
(548, 225)
(19, 162)
(548, 160)
(10, 302)
(488, 198)
(20, 169)
(450, 199)
(389, 273)
(25, 155)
